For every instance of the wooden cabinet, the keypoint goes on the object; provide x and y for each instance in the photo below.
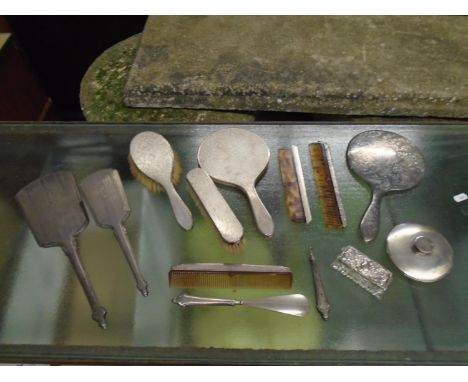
(21, 96)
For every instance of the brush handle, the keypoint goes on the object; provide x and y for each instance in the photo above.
(181, 211)
(262, 216)
(99, 312)
(371, 220)
(121, 235)
(185, 300)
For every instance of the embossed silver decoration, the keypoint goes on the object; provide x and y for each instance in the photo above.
(388, 162)
(365, 272)
(52, 207)
(238, 157)
(420, 252)
(105, 197)
(153, 156)
(293, 304)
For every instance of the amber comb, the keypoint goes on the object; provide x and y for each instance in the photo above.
(214, 275)
(327, 186)
(292, 178)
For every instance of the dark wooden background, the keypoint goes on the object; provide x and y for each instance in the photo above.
(43, 64)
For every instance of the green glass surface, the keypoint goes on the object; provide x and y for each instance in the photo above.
(44, 316)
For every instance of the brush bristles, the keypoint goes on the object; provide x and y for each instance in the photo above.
(231, 280)
(146, 181)
(176, 170)
(229, 247)
(235, 248)
(151, 184)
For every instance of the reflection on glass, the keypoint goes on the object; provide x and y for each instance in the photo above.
(42, 302)
(106, 199)
(54, 212)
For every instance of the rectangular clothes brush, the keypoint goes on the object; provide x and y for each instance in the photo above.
(216, 275)
(212, 203)
(366, 273)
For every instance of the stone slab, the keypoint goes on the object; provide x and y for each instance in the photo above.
(345, 65)
(101, 94)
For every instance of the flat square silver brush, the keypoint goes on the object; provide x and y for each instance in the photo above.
(105, 196)
(54, 212)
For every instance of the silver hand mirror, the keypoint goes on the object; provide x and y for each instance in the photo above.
(388, 162)
(238, 157)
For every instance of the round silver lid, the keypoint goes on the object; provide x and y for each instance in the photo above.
(420, 252)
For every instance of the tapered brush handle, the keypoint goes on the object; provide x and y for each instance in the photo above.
(121, 235)
(181, 211)
(262, 216)
(185, 300)
(99, 312)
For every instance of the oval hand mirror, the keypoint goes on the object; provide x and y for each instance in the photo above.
(388, 162)
(238, 157)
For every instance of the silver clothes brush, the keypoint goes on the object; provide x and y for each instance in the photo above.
(216, 207)
(367, 273)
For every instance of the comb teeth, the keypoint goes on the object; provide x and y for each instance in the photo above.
(325, 181)
(233, 276)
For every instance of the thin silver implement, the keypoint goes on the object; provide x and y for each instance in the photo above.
(292, 304)
(323, 306)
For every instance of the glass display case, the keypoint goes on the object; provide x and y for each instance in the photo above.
(45, 318)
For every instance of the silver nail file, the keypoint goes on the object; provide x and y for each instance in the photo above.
(216, 206)
(323, 306)
(300, 181)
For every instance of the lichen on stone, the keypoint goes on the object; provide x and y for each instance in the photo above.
(101, 94)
